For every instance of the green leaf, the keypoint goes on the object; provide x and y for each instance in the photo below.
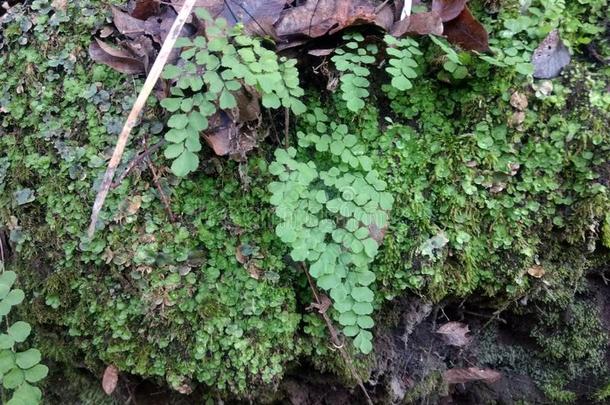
(28, 359)
(362, 294)
(328, 281)
(14, 297)
(175, 135)
(197, 121)
(171, 104)
(348, 318)
(26, 394)
(401, 83)
(364, 321)
(370, 247)
(271, 100)
(8, 278)
(6, 341)
(227, 100)
(172, 151)
(365, 277)
(37, 373)
(13, 379)
(187, 162)
(355, 104)
(171, 72)
(364, 341)
(351, 330)
(20, 331)
(363, 308)
(7, 361)
(178, 121)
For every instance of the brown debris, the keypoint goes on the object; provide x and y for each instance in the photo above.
(448, 9)
(419, 24)
(465, 375)
(467, 32)
(120, 60)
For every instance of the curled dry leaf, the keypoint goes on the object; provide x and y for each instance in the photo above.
(226, 138)
(419, 24)
(454, 333)
(316, 18)
(467, 32)
(550, 57)
(143, 9)
(120, 60)
(448, 9)
(519, 101)
(110, 379)
(465, 375)
(536, 271)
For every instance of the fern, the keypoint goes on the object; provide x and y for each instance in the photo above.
(18, 368)
(329, 216)
(352, 60)
(401, 61)
(211, 71)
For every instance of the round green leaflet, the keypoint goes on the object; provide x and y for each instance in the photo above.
(20, 331)
(28, 359)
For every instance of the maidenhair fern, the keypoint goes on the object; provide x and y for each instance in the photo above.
(211, 70)
(401, 61)
(352, 60)
(18, 368)
(331, 215)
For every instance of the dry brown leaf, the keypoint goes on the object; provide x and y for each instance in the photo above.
(110, 379)
(536, 271)
(316, 18)
(448, 9)
(519, 101)
(467, 32)
(454, 333)
(226, 138)
(419, 24)
(143, 9)
(465, 375)
(119, 59)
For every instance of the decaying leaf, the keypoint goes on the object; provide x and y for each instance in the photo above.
(454, 333)
(143, 9)
(226, 138)
(550, 57)
(110, 379)
(419, 24)
(119, 59)
(465, 375)
(536, 271)
(467, 32)
(519, 101)
(316, 18)
(448, 9)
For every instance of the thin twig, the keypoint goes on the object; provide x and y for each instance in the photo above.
(136, 161)
(335, 337)
(149, 84)
(162, 196)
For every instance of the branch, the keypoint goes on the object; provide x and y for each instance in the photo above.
(149, 84)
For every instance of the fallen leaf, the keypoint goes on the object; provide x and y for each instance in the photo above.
(248, 105)
(467, 32)
(536, 271)
(448, 9)
(226, 138)
(454, 333)
(516, 119)
(143, 49)
(110, 379)
(24, 196)
(126, 24)
(550, 57)
(120, 60)
(420, 24)
(464, 375)
(143, 9)
(519, 101)
(316, 18)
